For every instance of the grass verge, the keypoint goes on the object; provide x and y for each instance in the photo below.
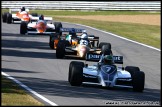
(14, 95)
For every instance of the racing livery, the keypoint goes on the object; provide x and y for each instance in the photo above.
(76, 45)
(10, 17)
(55, 38)
(106, 75)
(37, 26)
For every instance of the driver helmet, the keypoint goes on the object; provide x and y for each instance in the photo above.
(108, 59)
(41, 17)
(84, 31)
(84, 36)
(22, 8)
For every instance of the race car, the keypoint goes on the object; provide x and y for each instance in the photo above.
(78, 44)
(41, 25)
(20, 15)
(54, 38)
(106, 74)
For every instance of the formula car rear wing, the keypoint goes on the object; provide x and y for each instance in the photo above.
(33, 18)
(96, 57)
(16, 10)
(93, 38)
(70, 29)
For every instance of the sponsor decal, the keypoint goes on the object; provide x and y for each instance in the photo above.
(95, 56)
(89, 76)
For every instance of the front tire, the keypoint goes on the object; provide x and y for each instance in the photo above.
(76, 76)
(60, 50)
(23, 27)
(138, 78)
(73, 63)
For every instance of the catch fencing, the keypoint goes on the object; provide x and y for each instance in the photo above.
(85, 5)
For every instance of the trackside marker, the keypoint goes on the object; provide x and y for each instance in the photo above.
(29, 89)
(118, 36)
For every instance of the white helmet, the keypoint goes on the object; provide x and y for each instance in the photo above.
(84, 31)
(84, 36)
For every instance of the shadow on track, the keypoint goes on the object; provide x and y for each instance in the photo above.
(21, 35)
(25, 44)
(64, 89)
(31, 54)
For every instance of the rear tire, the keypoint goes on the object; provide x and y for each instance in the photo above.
(76, 76)
(34, 14)
(52, 39)
(57, 25)
(4, 17)
(60, 50)
(138, 78)
(73, 63)
(9, 18)
(106, 48)
(23, 27)
(104, 43)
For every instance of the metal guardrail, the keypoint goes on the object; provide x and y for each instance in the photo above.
(85, 5)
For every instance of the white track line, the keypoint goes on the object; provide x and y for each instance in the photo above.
(117, 36)
(29, 89)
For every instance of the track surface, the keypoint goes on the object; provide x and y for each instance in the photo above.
(29, 59)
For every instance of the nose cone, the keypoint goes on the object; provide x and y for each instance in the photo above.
(41, 27)
(25, 17)
(82, 51)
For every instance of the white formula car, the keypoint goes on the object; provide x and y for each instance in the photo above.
(106, 75)
(37, 26)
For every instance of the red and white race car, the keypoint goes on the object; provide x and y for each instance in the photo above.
(10, 17)
(45, 26)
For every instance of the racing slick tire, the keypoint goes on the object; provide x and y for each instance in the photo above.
(23, 27)
(9, 18)
(76, 76)
(106, 49)
(104, 43)
(34, 14)
(4, 17)
(73, 63)
(138, 78)
(51, 40)
(60, 50)
(58, 25)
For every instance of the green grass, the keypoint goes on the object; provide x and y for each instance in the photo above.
(69, 13)
(14, 95)
(147, 34)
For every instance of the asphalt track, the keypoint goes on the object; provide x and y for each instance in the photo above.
(29, 59)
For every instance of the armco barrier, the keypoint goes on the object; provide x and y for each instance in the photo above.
(85, 5)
